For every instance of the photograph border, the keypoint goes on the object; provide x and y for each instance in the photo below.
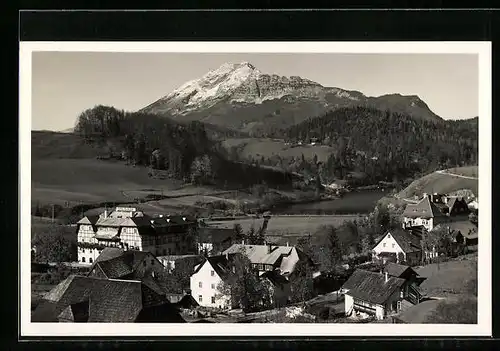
(484, 326)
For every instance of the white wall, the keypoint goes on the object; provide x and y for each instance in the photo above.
(209, 287)
(427, 223)
(390, 246)
(379, 312)
(349, 303)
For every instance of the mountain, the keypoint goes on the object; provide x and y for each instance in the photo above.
(240, 97)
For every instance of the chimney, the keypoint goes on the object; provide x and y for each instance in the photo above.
(243, 242)
(287, 244)
(386, 277)
(269, 248)
(106, 213)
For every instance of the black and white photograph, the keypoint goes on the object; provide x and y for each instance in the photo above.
(319, 184)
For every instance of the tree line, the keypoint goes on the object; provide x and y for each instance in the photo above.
(383, 145)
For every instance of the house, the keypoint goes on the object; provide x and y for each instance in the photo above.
(424, 213)
(279, 288)
(398, 245)
(128, 228)
(473, 205)
(169, 262)
(271, 257)
(410, 289)
(92, 300)
(372, 293)
(213, 241)
(465, 232)
(115, 263)
(206, 278)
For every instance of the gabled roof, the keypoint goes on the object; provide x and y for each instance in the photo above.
(397, 270)
(258, 254)
(89, 220)
(109, 300)
(275, 278)
(407, 241)
(122, 264)
(220, 264)
(109, 253)
(371, 286)
(424, 209)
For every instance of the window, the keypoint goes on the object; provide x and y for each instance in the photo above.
(213, 287)
(393, 245)
(383, 245)
(90, 260)
(200, 298)
(144, 263)
(83, 259)
(213, 299)
(212, 273)
(200, 284)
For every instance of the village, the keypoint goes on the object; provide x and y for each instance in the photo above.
(138, 267)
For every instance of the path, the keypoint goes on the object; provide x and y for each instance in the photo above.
(456, 175)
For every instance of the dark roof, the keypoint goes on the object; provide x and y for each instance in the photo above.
(219, 263)
(396, 270)
(371, 286)
(109, 253)
(424, 209)
(407, 241)
(109, 300)
(187, 301)
(466, 228)
(275, 278)
(215, 235)
(119, 264)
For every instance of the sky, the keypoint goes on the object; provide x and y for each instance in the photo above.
(64, 84)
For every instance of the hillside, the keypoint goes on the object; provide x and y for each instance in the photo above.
(240, 97)
(443, 183)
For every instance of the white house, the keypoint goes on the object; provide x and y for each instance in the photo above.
(424, 213)
(205, 281)
(397, 244)
(375, 294)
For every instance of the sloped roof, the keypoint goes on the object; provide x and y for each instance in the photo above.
(396, 270)
(109, 253)
(424, 209)
(371, 286)
(122, 264)
(109, 300)
(275, 278)
(464, 227)
(407, 241)
(258, 254)
(220, 264)
(89, 220)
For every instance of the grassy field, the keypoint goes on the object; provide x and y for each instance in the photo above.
(442, 183)
(88, 180)
(471, 171)
(448, 278)
(269, 147)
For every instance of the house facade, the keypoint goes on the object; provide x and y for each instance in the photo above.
(398, 245)
(130, 229)
(424, 213)
(205, 280)
(374, 294)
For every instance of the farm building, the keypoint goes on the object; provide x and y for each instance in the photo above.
(398, 245)
(376, 294)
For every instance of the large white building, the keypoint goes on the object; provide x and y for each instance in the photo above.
(128, 228)
(425, 213)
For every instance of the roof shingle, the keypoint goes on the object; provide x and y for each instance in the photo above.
(371, 286)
